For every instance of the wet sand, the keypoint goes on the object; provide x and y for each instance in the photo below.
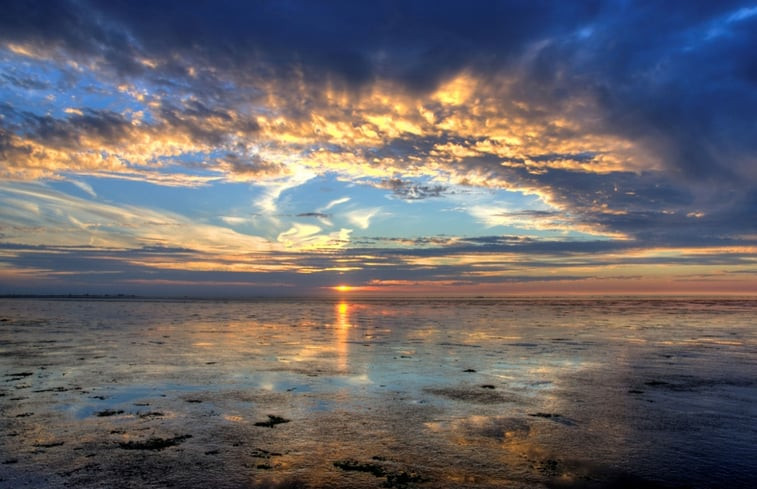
(429, 394)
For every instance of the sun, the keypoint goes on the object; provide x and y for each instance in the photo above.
(343, 288)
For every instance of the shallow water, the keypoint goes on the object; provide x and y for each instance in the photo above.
(378, 393)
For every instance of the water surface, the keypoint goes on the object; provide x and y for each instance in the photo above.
(379, 393)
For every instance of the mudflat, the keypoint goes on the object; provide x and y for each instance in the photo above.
(437, 393)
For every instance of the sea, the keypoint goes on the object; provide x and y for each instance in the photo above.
(351, 392)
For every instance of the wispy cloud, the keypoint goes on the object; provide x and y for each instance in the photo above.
(84, 186)
(267, 203)
(336, 202)
(37, 215)
(362, 217)
(309, 237)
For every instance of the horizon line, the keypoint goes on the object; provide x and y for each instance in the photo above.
(364, 296)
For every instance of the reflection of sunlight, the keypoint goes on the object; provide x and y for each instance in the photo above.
(342, 333)
(342, 315)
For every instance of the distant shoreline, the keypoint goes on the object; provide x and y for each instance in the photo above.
(369, 297)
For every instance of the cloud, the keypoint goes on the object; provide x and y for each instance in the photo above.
(27, 83)
(464, 264)
(37, 215)
(630, 121)
(507, 107)
(267, 203)
(362, 217)
(650, 76)
(108, 144)
(84, 186)
(234, 220)
(353, 43)
(526, 221)
(309, 237)
(251, 168)
(336, 202)
(410, 191)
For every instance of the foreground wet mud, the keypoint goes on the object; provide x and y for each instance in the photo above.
(442, 394)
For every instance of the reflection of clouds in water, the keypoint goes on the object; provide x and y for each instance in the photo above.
(234, 418)
(519, 445)
(471, 429)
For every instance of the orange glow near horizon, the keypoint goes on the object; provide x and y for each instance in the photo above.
(344, 288)
(657, 286)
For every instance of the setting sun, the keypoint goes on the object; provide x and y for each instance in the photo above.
(344, 288)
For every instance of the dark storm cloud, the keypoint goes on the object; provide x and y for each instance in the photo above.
(637, 49)
(415, 42)
(679, 77)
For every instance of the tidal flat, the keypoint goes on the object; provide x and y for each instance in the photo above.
(371, 393)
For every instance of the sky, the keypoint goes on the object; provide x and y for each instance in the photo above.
(225, 148)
